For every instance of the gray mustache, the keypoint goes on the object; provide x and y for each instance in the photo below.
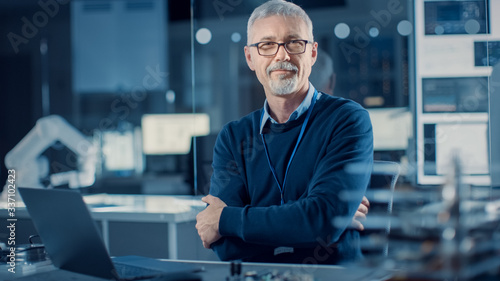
(282, 65)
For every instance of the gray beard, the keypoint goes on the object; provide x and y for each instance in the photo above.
(283, 86)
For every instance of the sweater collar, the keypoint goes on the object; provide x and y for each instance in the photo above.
(303, 107)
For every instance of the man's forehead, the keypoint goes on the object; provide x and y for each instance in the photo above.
(279, 27)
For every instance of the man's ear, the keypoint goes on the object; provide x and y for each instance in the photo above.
(314, 53)
(248, 57)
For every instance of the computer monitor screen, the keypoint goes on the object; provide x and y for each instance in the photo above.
(455, 94)
(456, 17)
(468, 141)
(171, 133)
(392, 127)
(118, 150)
(443, 141)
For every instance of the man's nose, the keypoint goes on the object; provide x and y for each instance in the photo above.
(282, 54)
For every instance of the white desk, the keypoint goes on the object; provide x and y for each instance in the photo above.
(170, 210)
(157, 209)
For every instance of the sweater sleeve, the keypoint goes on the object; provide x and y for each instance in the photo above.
(227, 184)
(304, 222)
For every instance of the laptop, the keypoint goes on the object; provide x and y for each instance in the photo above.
(73, 241)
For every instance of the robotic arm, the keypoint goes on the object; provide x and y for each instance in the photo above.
(31, 166)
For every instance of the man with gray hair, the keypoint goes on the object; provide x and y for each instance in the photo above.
(281, 173)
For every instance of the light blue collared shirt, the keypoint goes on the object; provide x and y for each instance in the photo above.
(303, 107)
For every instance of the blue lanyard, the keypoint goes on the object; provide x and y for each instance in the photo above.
(304, 125)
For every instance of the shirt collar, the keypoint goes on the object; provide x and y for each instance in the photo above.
(303, 107)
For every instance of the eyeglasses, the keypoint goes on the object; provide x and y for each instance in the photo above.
(292, 47)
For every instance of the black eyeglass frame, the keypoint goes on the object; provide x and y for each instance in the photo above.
(256, 45)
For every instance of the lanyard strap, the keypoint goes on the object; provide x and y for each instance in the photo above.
(303, 128)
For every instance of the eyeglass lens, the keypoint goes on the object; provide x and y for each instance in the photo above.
(271, 48)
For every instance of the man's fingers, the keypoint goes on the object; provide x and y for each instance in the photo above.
(357, 219)
(359, 216)
(365, 202)
(207, 221)
(357, 225)
(209, 199)
(363, 209)
(214, 201)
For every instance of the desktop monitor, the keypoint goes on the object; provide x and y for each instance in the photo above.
(118, 150)
(392, 127)
(165, 134)
(456, 17)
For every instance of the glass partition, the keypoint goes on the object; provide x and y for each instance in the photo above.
(427, 71)
(415, 65)
(132, 77)
(363, 56)
(108, 68)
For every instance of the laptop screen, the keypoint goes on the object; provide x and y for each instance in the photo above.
(67, 230)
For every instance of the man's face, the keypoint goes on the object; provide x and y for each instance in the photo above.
(282, 73)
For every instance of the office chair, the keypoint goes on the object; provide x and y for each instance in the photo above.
(380, 194)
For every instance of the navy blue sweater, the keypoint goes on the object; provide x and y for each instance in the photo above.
(254, 223)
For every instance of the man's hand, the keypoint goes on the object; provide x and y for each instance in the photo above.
(360, 215)
(207, 221)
